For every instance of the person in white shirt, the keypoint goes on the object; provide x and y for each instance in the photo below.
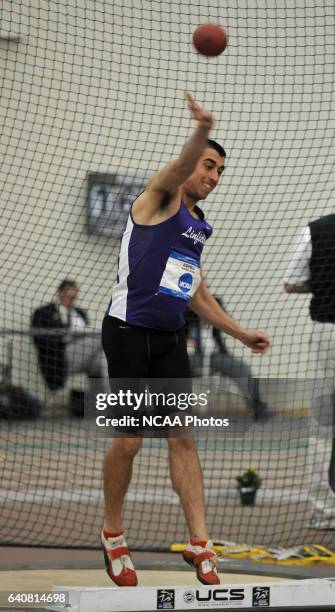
(312, 270)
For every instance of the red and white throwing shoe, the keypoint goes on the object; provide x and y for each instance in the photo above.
(201, 556)
(118, 562)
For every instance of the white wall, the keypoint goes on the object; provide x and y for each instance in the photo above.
(98, 86)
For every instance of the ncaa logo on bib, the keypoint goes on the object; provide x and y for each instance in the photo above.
(185, 283)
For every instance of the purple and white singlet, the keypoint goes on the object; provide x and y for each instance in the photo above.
(159, 270)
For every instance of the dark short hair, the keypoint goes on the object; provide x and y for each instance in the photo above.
(67, 283)
(215, 145)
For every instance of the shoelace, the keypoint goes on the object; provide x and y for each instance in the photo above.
(212, 560)
(123, 561)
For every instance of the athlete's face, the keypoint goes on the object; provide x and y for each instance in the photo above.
(206, 175)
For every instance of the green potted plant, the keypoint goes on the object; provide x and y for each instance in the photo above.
(248, 482)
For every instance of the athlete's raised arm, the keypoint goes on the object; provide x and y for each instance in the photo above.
(164, 188)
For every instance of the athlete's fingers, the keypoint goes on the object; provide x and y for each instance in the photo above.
(260, 348)
(193, 107)
(204, 117)
(188, 96)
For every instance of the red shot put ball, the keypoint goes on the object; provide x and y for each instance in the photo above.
(210, 39)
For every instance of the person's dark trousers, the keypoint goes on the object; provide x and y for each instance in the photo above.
(236, 369)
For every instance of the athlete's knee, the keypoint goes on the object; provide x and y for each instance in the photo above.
(127, 447)
(181, 444)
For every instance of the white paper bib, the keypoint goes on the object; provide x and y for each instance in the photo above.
(181, 277)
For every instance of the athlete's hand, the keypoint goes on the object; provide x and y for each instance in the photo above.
(203, 117)
(257, 341)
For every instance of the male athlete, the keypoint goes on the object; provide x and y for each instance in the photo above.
(160, 274)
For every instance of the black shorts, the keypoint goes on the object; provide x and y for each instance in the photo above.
(146, 361)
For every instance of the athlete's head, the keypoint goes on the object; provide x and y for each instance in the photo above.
(207, 172)
(67, 292)
(212, 144)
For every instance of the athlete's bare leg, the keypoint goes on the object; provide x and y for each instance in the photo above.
(187, 482)
(117, 471)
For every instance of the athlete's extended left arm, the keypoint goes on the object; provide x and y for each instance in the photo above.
(206, 307)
